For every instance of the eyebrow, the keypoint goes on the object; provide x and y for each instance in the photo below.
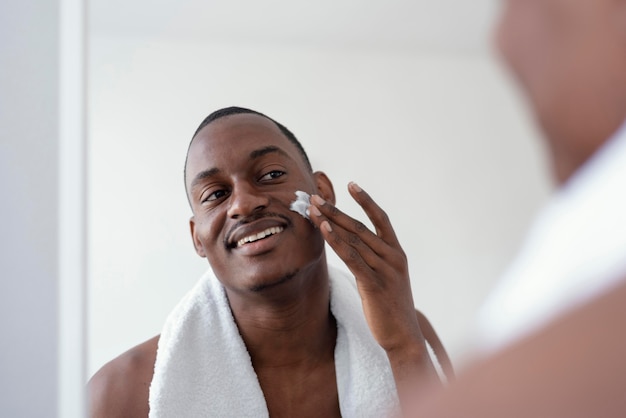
(203, 175)
(267, 150)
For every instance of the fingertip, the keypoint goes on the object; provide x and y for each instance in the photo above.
(314, 210)
(355, 187)
(326, 226)
(316, 199)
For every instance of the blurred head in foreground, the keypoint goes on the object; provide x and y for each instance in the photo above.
(569, 56)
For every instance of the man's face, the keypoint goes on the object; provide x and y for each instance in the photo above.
(561, 52)
(242, 174)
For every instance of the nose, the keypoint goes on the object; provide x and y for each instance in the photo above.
(245, 199)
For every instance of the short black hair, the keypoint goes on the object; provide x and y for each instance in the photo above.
(235, 110)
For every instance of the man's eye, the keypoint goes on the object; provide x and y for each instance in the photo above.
(218, 194)
(272, 175)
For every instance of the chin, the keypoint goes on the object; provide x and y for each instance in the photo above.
(270, 271)
(270, 284)
(257, 277)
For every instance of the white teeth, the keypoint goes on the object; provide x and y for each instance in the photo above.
(255, 237)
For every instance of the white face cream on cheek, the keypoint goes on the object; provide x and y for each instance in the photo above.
(301, 204)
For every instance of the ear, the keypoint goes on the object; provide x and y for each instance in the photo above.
(196, 242)
(324, 187)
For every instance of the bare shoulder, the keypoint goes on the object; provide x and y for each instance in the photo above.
(430, 335)
(121, 387)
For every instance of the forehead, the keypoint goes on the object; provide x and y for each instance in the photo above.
(230, 139)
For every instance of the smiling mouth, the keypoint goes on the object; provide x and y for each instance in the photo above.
(259, 236)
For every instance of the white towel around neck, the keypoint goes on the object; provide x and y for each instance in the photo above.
(203, 368)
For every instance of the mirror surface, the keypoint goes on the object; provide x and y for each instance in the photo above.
(404, 97)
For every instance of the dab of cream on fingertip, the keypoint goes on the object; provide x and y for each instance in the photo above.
(301, 204)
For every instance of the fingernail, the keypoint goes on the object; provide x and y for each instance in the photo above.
(315, 211)
(317, 200)
(355, 187)
(327, 226)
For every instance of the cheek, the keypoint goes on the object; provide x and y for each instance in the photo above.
(213, 244)
(514, 37)
(501, 37)
(287, 195)
(210, 231)
(525, 40)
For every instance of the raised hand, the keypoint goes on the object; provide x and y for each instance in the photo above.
(381, 270)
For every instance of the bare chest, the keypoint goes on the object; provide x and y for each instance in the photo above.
(302, 395)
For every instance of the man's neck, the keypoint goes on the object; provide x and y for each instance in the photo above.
(289, 326)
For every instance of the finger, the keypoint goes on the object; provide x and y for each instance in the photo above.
(375, 213)
(347, 223)
(350, 255)
(347, 243)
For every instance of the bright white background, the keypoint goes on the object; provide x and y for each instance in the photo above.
(406, 98)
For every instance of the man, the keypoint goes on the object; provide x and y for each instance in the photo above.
(554, 326)
(270, 330)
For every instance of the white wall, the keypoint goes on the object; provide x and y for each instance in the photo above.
(439, 139)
